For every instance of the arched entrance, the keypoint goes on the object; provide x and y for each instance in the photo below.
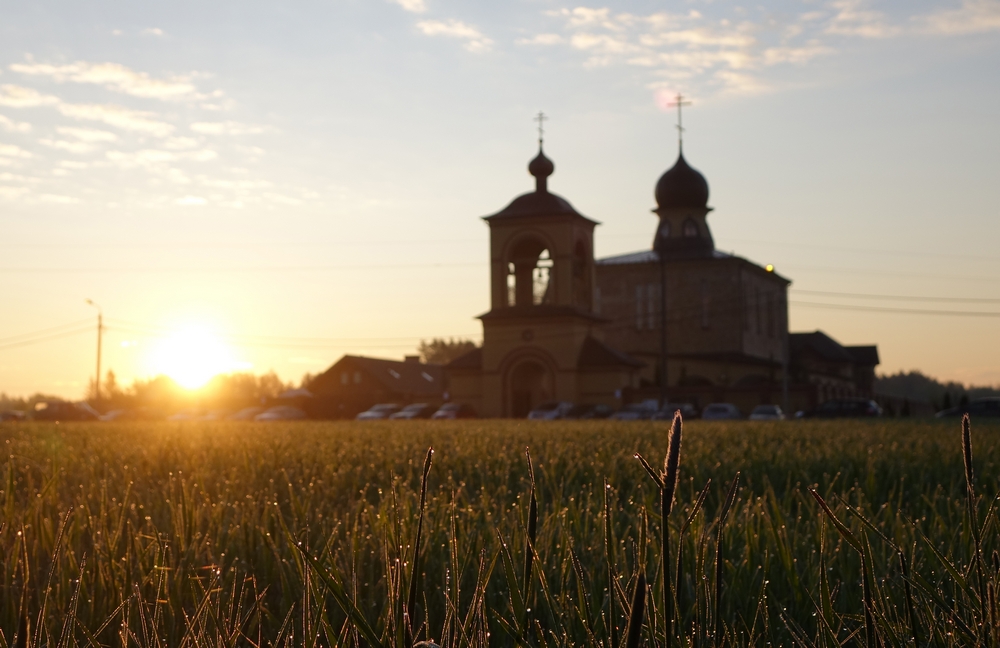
(529, 384)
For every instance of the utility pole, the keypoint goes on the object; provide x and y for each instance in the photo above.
(100, 333)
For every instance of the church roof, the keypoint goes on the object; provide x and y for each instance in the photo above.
(647, 256)
(681, 186)
(471, 360)
(595, 353)
(537, 204)
(538, 311)
(540, 202)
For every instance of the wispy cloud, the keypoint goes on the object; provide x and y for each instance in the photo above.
(12, 151)
(413, 6)
(113, 76)
(119, 117)
(475, 40)
(87, 134)
(64, 145)
(12, 126)
(734, 55)
(225, 128)
(973, 17)
(16, 96)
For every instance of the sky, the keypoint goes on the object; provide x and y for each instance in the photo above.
(277, 184)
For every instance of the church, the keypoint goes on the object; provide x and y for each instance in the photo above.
(564, 326)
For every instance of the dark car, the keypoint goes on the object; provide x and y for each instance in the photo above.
(846, 408)
(588, 412)
(454, 411)
(988, 407)
(414, 411)
(55, 410)
(666, 413)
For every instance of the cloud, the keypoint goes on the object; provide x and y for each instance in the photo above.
(179, 143)
(12, 151)
(475, 41)
(87, 134)
(20, 97)
(413, 6)
(73, 164)
(119, 117)
(225, 128)
(541, 39)
(153, 31)
(853, 19)
(12, 126)
(113, 76)
(71, 147)
(973, 17)
(191, 201)
(57, 199)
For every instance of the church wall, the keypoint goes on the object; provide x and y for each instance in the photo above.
(765, 314)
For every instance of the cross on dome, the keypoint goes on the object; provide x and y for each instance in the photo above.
(679, 103)
(541, 119)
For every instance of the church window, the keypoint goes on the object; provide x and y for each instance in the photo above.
(344, 378)
(540, 280)
(640, 319)
(652, 307)
(706, 303)
(756, 300)
(357, 377)
(511, 285)
(529, 274)
(690, 229)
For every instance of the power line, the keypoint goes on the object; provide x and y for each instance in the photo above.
(188, 269)
(907, 311)
(54, 336)
(16, 338)
(978, 300)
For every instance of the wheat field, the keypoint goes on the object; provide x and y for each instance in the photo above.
(313, 534)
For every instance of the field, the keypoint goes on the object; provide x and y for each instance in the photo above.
(229, 534)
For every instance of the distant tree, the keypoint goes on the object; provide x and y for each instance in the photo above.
(905, 409)
(307, 380)
(946, 401)
(441, 351)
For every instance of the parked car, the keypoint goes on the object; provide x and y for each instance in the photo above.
(635, 412)
(378, 412)
(56, 410)
(588, 412)
(281, 413)
(414, 411)
(454, 411)
(550, 411)
(245, 414)
(988, 407)
(845, 408)
(666, 413)
(12, 415)
(721, 412)
(767, 413)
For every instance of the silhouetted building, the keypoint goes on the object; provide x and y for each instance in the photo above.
(563, 326)
(355, 383)
(542, 340)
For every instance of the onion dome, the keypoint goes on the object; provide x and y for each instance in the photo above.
(682, 186)
(541, 167)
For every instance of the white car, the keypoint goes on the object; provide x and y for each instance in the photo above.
(378, 412)
(721, 412)
(550, 411)
(281, 413)
(767, 413)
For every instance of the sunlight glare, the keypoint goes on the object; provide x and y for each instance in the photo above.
(192, 356)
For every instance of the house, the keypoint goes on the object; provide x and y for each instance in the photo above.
(355, 383)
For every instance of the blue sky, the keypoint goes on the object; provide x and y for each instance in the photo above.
(304, 180)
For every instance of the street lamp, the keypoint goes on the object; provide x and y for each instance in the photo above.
(100, 331)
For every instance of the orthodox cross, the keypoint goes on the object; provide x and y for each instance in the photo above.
(679, 103)
(541, 119)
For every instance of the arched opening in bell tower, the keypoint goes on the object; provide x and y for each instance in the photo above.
(529, 274)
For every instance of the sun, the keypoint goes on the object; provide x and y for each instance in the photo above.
(192, 356)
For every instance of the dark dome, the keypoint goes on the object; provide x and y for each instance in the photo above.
(541, 166)
(682, 186)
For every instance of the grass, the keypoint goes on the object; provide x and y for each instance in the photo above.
(307, 534)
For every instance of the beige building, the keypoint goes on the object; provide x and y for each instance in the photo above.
(542, 340)
(564, 326)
